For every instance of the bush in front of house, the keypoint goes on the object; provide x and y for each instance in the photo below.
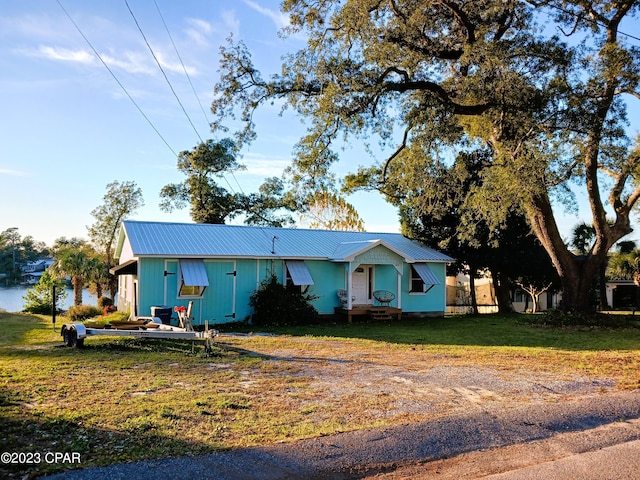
(82, 312)
(275, 304)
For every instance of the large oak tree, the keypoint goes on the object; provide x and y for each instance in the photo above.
(542, 85)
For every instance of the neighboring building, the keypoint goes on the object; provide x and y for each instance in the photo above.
(459, 296)
(32, 271)
(219, 267)
(39, 265)
(623, 294)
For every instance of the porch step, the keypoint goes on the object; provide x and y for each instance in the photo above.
(380, 314)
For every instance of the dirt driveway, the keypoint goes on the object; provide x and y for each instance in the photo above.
(413, 384)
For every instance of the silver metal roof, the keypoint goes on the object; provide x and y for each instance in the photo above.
(197, 240)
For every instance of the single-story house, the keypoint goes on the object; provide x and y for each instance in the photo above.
(622, 294)
(218, 267)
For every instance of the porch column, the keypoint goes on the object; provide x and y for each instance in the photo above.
(349, 301)
(399, 296)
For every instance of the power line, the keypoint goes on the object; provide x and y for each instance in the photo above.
(162, 70)
(175, 48)
(116, 78)
(171, 86)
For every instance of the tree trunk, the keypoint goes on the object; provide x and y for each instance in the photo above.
(502, 287)
(78, 283)
(535, 299)
(604, 304)
(576, 275)
(113, 287)
(472, 290)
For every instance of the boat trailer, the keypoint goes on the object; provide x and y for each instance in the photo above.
(74, 334)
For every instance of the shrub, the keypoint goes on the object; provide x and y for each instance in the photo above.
(104, 302)
(82, 312)
(39, 299)
(276, 304)
(558, 318)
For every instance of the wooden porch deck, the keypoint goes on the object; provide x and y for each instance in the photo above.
(372, 311)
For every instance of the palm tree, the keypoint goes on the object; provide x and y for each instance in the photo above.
(75, 263)
(97, 274)
(625, 266)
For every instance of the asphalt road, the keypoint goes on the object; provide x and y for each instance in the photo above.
(547, 440)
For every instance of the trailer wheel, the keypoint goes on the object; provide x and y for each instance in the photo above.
(70, 338)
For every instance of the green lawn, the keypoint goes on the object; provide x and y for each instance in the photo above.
(480, 331)
(124, 399)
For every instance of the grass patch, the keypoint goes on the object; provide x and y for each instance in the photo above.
(121, 399)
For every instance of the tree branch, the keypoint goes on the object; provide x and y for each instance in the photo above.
(441, 93)
(402, 146)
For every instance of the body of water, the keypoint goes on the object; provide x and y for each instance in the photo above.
(11, 298)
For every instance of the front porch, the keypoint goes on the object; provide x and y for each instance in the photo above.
(372, 311)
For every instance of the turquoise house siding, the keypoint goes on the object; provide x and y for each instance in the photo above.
(386, 278)
(379, 255)
(150, 284)
(223, 302)
(237, 260)
(327, 278)
(226, 299)
(432, 301)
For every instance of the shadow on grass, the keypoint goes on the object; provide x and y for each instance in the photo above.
(17, 328)
(37, 438)
(497, 330)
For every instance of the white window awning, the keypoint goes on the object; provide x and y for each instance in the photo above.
(194, 273)
(299, 272)
(425, 273)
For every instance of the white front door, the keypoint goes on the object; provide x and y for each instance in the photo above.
(360, 286)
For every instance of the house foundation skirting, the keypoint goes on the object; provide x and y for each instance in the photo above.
(374, 312)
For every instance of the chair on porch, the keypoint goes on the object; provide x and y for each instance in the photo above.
(384, 297)
(342, 295)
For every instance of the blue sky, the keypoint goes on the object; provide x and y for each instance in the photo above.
(67, 128)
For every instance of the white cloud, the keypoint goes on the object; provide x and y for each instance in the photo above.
(12, 173)
(174, 66)
(198, 31)
(230, 22)
(277, 17)
(66, 54)
(263, 166)
(130, 62)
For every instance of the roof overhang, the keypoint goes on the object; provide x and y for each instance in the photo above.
(127, 268)
(348, 251)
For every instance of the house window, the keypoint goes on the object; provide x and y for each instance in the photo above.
(422, 278)
(519, 296)
(297, 275)
(417, 284)
(193, 278)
